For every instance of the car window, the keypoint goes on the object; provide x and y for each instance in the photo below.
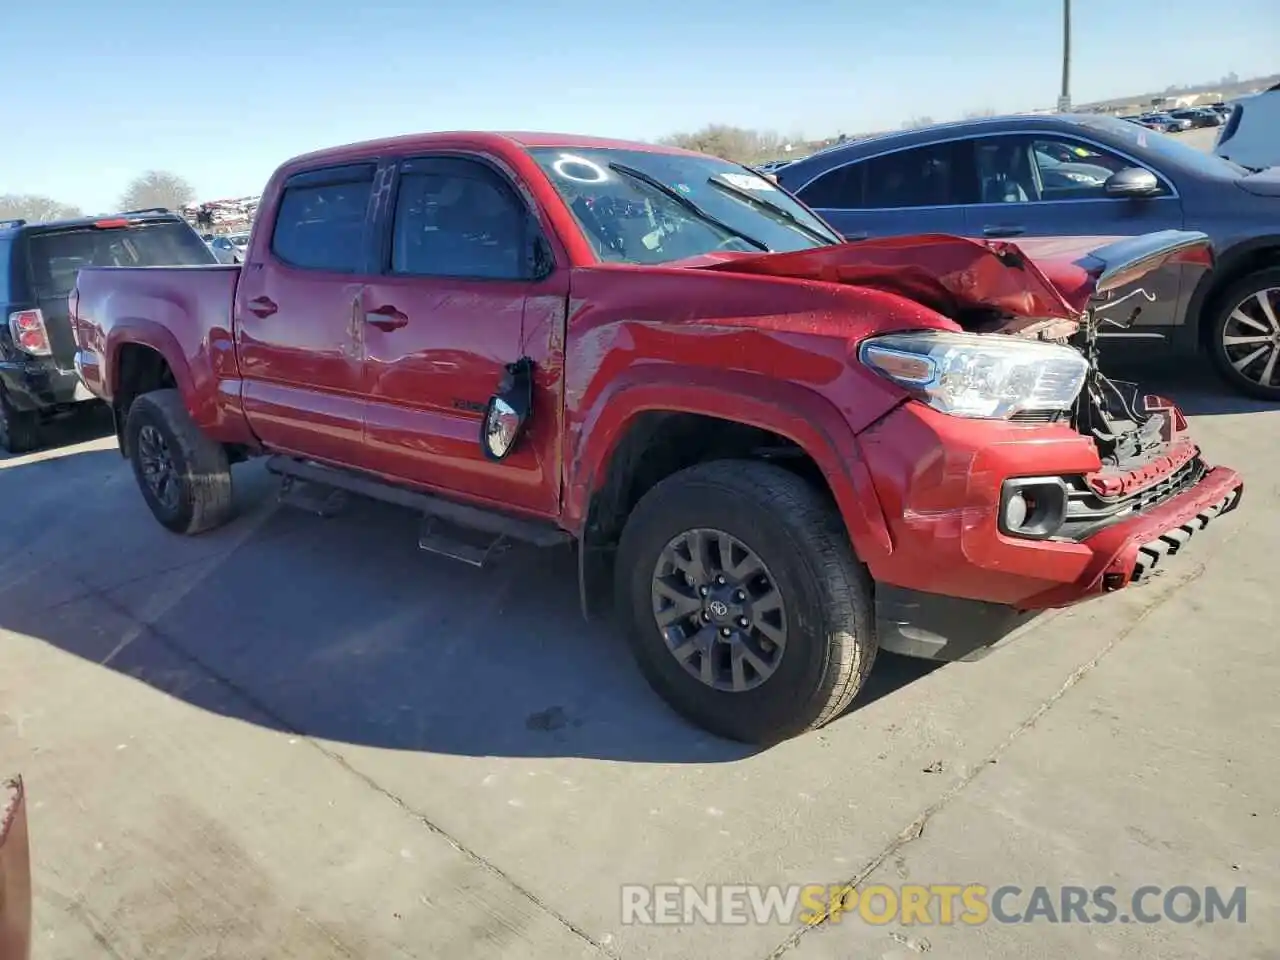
(838, 189)
(56, 256)
(320, 226)
(1029, 169)
(923, 177)
(651, 206)
(460, 222)
(1069, 169)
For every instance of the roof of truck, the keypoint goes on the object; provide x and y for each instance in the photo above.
(480, 139)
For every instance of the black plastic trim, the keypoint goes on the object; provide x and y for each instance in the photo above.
(931, 626)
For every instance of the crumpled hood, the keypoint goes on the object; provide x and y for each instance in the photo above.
(1049, 278)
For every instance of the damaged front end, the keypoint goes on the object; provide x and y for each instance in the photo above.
(1057, 290)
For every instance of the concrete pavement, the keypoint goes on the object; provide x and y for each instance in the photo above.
(302, 738)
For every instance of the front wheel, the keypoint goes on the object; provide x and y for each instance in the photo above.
(744, 605)
(184, 476)
(1245, 334)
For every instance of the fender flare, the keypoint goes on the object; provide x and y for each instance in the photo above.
(148, 333)
(791, 410)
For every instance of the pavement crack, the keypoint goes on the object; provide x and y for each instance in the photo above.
(916, 828)
(472, 856)
(283, 725)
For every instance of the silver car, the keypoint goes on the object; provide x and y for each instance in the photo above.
(231, 248)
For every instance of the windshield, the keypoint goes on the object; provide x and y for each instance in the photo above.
(240, 240)
(628, 220)
(1161, 146)
(57, 256)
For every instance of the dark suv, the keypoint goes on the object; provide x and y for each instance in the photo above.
(38, 266)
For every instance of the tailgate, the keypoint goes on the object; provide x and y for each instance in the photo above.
(55, 256)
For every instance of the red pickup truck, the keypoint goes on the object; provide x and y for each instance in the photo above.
(777, 451)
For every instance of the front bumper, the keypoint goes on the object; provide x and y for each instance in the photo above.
(39, 384)
(938, 479)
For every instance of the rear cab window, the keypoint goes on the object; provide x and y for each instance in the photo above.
(55, 256)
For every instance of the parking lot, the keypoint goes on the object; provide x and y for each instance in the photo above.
(303, 738)
(299, 737)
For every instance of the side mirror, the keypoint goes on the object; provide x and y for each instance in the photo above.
(508, 410)
(1132, 182)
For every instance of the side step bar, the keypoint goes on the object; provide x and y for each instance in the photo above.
(449, 529)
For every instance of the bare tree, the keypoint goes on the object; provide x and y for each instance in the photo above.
(157, 188)
(730, 143)
(34, 209)
(915, 122)
(979, 114)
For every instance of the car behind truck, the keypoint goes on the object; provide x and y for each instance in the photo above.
(777, 452)
(38, 264)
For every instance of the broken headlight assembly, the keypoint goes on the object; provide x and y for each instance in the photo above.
(985, 376)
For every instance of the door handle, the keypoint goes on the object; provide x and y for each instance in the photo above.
(1003, 230)
(262, 306)
(386, 318)
(859, 235)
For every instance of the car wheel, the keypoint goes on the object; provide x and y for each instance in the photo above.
(19, 429)
(743, 603)
(184, 476)
(1244, 334)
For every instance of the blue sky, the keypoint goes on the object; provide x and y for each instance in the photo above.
(221, 91)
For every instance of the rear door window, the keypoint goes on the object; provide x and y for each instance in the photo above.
(57, 256)
(321, 223)
(838, 189)
(922, 177)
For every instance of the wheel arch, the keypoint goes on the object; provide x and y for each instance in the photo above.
(645, 430)
(1239, 260)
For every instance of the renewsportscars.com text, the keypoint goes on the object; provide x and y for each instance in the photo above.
(927, 904)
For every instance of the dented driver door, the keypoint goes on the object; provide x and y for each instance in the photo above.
(457, 299)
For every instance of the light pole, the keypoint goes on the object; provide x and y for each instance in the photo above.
(1064, 99)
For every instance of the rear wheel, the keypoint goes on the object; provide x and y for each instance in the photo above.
(744, 604)
(1245, 334)
(184, 476)
(19, 429)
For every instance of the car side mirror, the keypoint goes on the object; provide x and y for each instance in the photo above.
(508, 410)
(1132, 182)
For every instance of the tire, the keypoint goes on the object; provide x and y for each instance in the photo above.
(825, 592)
(200, 498)
(1221, 324)
(19, 429)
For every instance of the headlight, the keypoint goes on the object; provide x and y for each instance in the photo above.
(978, 375)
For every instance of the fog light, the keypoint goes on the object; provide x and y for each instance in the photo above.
(1016, 509)
(1033, 507)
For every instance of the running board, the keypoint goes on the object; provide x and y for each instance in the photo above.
(440, 515)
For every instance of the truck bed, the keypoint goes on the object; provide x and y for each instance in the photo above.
(183, 312)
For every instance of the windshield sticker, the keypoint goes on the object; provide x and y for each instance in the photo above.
(746, 181)
(579, 169)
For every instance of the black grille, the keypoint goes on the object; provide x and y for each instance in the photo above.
(1038, 416)
(1087, 513)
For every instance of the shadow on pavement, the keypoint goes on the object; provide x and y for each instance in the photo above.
(1192, 385)
(342, 630)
